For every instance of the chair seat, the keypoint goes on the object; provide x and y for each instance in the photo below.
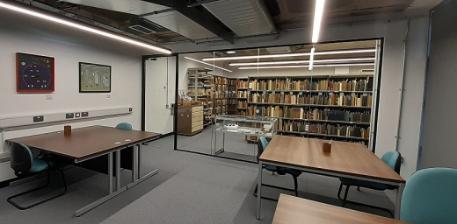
(38, 165)
(367, 184)
(282, 171)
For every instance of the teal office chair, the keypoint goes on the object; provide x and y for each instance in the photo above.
(262, 145)
(124, 126)
(430, 196)
(393, 160)
(25, 164)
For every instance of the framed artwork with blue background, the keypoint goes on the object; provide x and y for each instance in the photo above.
(34, 73)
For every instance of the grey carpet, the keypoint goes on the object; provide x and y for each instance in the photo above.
(190, 188)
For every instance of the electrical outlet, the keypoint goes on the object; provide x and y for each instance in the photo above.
(130, 109)
(77, 115)
(84, 114)
(39, 118)
(69, 115)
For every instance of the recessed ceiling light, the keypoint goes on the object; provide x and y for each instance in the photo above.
(318, 13)
(208, 64)
(307, 66)
(230, 52)
(82, 27)
(232, 58)
(339, 60)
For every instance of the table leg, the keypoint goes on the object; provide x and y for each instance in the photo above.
(399, 194)
(118, 170)
(135, 164)
(259, 190)
(110, 172)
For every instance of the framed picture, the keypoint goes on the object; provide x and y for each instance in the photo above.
(94, 78)
(34, 73)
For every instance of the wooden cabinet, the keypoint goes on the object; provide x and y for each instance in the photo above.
(190, 120)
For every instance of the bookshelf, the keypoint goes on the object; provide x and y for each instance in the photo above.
(209, 89)
(329, 107)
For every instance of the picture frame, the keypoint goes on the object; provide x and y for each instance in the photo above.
(34, 73)
(94, 78)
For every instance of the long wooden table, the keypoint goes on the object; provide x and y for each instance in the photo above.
(92, 142)
(294, 210)
(351, 160)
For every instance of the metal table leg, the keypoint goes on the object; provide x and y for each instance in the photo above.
(398, 200)
(110, 173)
(259, 190)
(118, 170)
(135, 166)
(135, 176)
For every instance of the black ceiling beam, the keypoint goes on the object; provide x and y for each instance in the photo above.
(199, 15)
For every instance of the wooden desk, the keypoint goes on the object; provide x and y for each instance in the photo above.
(91, 142)
(293, 210)
(346, 159)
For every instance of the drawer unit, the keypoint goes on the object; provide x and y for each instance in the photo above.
(190, 120)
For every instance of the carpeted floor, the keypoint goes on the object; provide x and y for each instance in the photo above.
(190, 188)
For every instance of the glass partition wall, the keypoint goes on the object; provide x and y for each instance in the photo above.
(229, 99)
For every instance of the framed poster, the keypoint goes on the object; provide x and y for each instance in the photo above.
(94, 78)
(34, 73)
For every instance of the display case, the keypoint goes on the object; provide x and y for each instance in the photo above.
(237, 128)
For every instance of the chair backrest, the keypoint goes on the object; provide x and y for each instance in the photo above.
(21, 159)
(124, 126)
(261, 145)
(392, 159)
(430, 196)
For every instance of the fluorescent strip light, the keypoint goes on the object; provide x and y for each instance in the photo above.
(311, 59)
(306, 66)
(340, 60)
(202, 62)
(82, 27)
(369, 50)
(318, 13)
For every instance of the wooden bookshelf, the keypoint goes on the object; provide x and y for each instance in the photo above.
(209, 89)
(329, 107)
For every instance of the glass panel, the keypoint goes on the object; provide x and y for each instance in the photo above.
(332, 101)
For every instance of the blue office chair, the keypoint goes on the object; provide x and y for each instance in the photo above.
(25, 164)
(124, 126)
(262, 145)
(393, 160)
(430, 196)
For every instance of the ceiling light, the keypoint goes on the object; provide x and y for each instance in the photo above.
(318, 13)
(232, 58)
(306, 66)
(208, 64)
(230, 52)
(311, 59)
(339, 60)
(82, 27)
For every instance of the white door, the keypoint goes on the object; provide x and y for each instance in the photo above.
(160, 94)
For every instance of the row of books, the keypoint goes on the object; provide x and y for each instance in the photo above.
(309, 114)
(242, 94)
(242, 105)
(341, 99)
(220, 80)
(355, 84)
(327, 115)
(242, 84)
(325, 129)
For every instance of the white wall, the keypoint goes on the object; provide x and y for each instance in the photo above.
(393, 32)
(67, 51)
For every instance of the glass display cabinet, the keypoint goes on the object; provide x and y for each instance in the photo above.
(236, 131)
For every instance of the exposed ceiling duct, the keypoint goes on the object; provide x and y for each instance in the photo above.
(136, 7)
(177, 22)
(170, 19)
(243, 17)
